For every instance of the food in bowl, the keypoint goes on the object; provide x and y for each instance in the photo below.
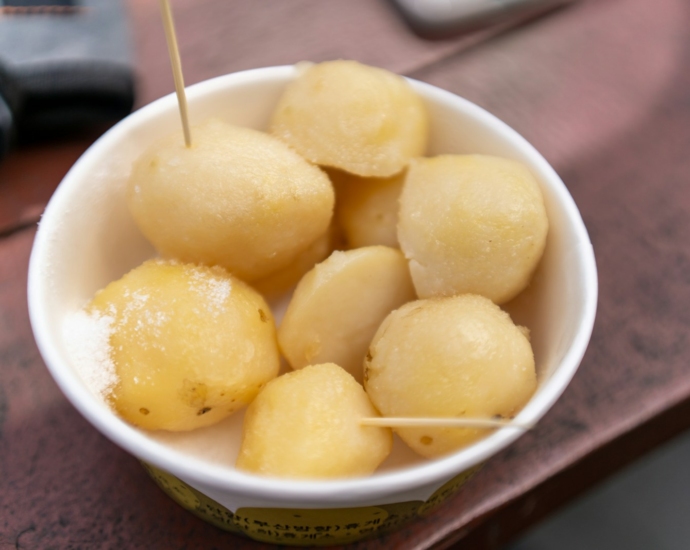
(280, 282)
(451, 357)
(361, 119)
(367, 209)
(232, 199)
(337, 307)
(305, 425)
(189, 344)
(236, 197)
(75, 255)
(471, 224)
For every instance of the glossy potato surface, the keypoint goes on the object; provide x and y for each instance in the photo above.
(361, 119)
(232, 199)
(190, 344)
(338, 305)
(305, 425)
(367, 210)
(471, 224)
(447, 357)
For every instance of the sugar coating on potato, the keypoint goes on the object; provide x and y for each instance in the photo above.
(471, 224)
(237, 198)
(190, 344)
(338, 305)
(449, 357)
(361, 119)
(367, 210)
(305, 425)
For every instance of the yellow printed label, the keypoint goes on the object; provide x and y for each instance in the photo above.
(304, 527)
(196, 502)
(447, 490)
(310, 526)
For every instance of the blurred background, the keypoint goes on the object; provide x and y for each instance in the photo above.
(643, 507)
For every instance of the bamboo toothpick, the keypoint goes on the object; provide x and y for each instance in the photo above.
(171, 38)
(489, 423)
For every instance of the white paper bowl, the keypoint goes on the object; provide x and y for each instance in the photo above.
(87, 239)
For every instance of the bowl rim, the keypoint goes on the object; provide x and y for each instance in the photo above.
(330, 492)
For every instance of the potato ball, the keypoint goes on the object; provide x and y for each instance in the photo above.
(190, 344)
(232, 199)
(449, 357)
(367, 210)
(338, 305)
(471, 224)
(305, 424)
(364, 120)
(284, 279)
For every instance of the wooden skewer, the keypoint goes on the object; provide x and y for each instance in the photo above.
(489, 423)
(171, 38)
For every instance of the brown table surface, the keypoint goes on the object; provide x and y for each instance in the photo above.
(601, 88)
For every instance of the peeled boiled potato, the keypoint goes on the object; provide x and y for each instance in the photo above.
(367, 210)
(337, 307)
(449, 357)
(305, 424)
(190, 344)
(232, 199)
(364, 120)
(279, 282)
(471, 224)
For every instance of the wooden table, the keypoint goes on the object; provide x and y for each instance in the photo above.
(601, 88)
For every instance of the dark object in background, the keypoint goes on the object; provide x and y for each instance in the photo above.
(5, 126)
(436, 19)
(65, 65)
(42, 5)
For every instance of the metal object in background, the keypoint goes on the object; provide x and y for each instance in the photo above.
(445, 18)
(64, 65)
